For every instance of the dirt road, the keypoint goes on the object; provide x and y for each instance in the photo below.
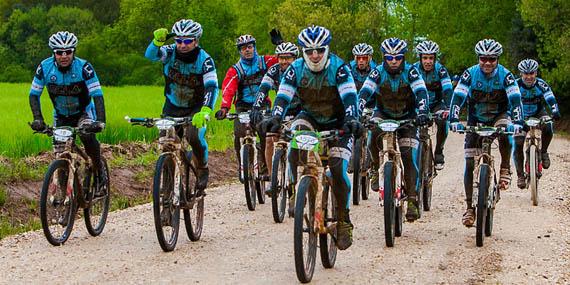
(529, 244)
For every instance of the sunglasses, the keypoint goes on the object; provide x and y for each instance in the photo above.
(310, 51)
(361, 57)
(487, 59)
(63, 51)
(185, 41)
(246, 47)
(392, 57)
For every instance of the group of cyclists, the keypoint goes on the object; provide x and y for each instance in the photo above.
(322, 92)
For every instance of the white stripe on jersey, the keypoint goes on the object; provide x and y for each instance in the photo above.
(286, 90)
(462, 89)
(210, 76)
(346, 88)
(268, 80)
(511, 90)
(418, 84)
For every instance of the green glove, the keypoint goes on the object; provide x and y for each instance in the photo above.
(160, 37)
(199, 119)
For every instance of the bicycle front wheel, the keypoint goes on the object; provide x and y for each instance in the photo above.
(428, 165)
(57, 204)
(304, 235)
(483, 191)
(389, 203)
(96, 214)
(165, 207)
(248, 177)
(278, 191)
(533, 175)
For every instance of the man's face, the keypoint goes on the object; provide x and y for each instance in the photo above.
(363, 61)
(63, 57)
(285, 60)
(529, 78)
(246, 51)
(488, 63)
(185, 44)
(315, 54)
(428, 61)
(394, 61)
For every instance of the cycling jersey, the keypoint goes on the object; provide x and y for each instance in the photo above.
(438, 84)
(400, 95)
(70, 91)
(488, 96)
(359, 75)
(533, 96)
(188, 84)
(244, 79)
(327, 96)
(271, 81)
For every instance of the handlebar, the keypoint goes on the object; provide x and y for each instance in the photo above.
(489, 130)
(150, 122)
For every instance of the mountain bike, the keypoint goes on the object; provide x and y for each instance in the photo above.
(174, 183)
(315, 205)
(71, 182)
(249, 164)
(394, 195)
(282, 188)
(485, 180)
(533, 161)
(361, 164)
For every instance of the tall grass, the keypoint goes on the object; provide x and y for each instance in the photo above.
(18, 140)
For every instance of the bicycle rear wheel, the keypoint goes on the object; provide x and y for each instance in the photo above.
(248, 177)
(389, 203)
(194, 217)
(326, 241)
(165, 208)
(278, 191)
(484, 177)
(96, 214)
(356, 164)
(57, 208)
(304, 235)
(364, 179)
(533, 175)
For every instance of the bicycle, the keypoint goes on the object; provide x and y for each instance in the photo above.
(361, 164)
(315, 205)
(71, 182)
(249, 164)
(533, 161)
(485, 180)
(174, 183)
(282, 188)
(394, 195)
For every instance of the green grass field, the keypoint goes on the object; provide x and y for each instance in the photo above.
(18, 140)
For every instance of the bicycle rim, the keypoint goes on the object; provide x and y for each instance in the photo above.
(304, 235)
(166, 212)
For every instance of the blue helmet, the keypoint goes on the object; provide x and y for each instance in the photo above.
(314, 37)
(528, 65)
(394, 46)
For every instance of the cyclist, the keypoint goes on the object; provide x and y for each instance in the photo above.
(286, 53)
(191, 86)
(440, 90)
(399, 92)
(534, 91)
(324, 84)
(494, 99)
(76, 95)
(244, 78)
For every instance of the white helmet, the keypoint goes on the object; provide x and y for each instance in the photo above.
(244, 39)
(488, 47)
(315, 37)
(62, 40)
(427, 47)
(394, 46)
(187, 28)
(528, 65)
(287, 48)
(362, 49)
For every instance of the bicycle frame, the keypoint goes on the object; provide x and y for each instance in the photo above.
(534, 135)
(316, 152)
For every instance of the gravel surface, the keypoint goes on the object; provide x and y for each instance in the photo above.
(529, 244)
